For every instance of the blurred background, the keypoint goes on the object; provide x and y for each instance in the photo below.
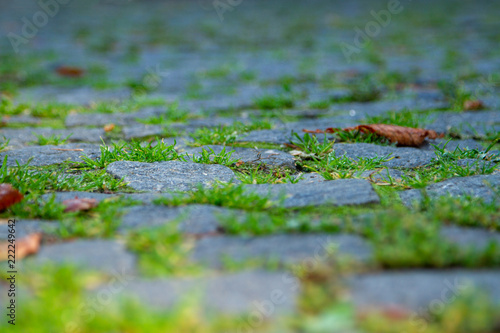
(240, 49)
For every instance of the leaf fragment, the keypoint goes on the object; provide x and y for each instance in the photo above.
(23, 247)
(79, 204)
(9, 196)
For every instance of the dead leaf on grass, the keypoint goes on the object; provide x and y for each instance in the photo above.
(9, 196)
(79, 204)
(403, 136)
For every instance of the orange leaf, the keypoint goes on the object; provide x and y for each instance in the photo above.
(23, 247)
(109, 127)
(403, 136)
(69, 71)
(77, 204)
(9, 196)
(473, 105)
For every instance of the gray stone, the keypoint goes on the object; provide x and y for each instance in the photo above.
(47, 155)
(285, 249)
(77, 134)
(383, 175)
(102, 119)
(277, 136)
(362, 110)
(481, 186)
(169, 176)
(83, 95)
(308, 178)
(142, 131)
(269, 157)
(335, 192)
(476, 164)
(234, 293)
(26, 120)
(470, 237)
(468, 124)
(24, 227)
(402, 157)
(193, 219)
(105, 255)
(453, 144)
(416, 290)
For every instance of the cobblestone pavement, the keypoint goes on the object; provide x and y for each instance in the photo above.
(214, 211)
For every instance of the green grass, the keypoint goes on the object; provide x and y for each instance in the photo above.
(101, 221)
(51, 140)
(133, 151)
(163, 251)
(407, 118)
(210, 157)
(272, 102)
(225, 135)
(228, 195)
(65, 302)
(455, 94)
(39, 180)
(444, 166)
(33, 182)
(173, 114)
(260, 173)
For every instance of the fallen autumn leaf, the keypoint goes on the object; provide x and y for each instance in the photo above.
(69, 71)
(9, 196)
(23, 247)
(403, 136)
(79, 204)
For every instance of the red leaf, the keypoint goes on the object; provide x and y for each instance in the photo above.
(77, 204)
(69, 71)
(9, 196)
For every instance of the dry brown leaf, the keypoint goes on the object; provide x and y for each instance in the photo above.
(403, 136)
(109, 127)
(23, 247)
(69, 71)
(473, 105)
(79, 204)
(239, 163)
(9, 196)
